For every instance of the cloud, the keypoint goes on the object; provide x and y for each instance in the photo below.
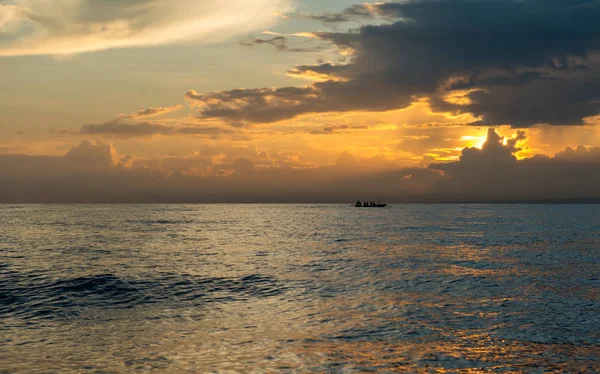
(200, 179)
(281, 43)
(346, 160)
(263, 105)
(323, 72)
(95, 172)
(125, 130)
(522, 62)
(9, 14)
(130, 126)
(580, 154)
(244, 165)
(267, 105)
(353, 13)
(209, 131)
(333, 129)
(277, 41)
(493, 173)
(563, 101)
(154, 111)
(147, 129)
(34, 27)
(89, 155)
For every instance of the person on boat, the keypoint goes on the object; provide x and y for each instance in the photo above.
(358, 203)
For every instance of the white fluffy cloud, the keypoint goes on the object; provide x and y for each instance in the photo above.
(34, 27)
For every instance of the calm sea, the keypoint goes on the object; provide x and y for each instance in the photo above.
(299, 288)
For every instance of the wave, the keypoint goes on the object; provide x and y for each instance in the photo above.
(160, 221)
(34, 296)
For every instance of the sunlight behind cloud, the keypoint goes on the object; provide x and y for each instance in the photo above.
(474, 141)
(63, 27)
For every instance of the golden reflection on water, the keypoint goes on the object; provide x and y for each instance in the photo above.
(477, 354)
(407, 296)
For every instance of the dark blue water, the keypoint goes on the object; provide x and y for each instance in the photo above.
(300, 288)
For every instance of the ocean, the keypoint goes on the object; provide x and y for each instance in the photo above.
(299, 288)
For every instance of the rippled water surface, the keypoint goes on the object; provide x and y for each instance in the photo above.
(299, 288)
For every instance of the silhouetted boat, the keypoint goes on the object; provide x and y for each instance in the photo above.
(369, 204)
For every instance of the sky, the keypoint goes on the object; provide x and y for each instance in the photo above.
(299, 100)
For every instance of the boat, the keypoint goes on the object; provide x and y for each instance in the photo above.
(369, 204)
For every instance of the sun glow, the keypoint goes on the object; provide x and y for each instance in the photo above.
(474, 141)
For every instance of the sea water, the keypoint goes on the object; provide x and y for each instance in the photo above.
(299, 288)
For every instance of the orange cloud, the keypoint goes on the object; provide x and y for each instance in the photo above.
(154, 111)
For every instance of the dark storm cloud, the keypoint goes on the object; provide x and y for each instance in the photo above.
(506, 49)
(518, 79)
(564, 101)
